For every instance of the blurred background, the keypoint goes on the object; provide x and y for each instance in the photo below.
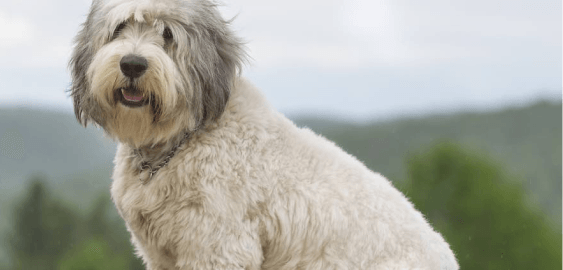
(458, 103)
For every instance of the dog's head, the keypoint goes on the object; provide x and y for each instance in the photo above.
(147, 70)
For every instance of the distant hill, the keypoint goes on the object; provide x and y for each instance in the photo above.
(48, 143)
(526, 140)
(78, 161)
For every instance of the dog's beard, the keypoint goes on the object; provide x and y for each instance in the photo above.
(144, 110)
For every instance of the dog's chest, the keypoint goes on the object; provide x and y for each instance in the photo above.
(142, 208)
(152, 211)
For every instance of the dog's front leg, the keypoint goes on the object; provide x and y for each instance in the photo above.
(218, 243)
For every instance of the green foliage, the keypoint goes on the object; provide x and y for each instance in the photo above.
(93, 254)
(480, 211)
(43, 229)
(47, 235)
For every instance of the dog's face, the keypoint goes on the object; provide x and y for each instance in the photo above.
(146, 70)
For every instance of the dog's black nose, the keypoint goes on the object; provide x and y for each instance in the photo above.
(133, 66)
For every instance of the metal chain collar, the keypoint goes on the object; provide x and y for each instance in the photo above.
(145, 165)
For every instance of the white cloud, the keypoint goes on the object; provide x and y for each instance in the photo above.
(271, 52)
(55, 54)
(372, 18)
(292, 33)
(14, 31)
(338, 34)
(347, 34)
(48, 53)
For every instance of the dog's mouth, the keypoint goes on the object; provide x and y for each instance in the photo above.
(131, 97)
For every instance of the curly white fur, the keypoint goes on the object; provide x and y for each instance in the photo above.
(249, 190)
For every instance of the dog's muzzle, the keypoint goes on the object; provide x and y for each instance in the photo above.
(132, 66)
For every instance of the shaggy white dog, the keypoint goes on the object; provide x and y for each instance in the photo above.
(208, 175)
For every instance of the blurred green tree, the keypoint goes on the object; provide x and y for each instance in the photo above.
(47, 235)
(480, 211)
(94, 254)
(43, 229)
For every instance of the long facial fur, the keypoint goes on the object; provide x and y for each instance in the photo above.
(188, 79)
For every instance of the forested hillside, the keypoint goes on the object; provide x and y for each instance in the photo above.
(75, 163)
(527, 141)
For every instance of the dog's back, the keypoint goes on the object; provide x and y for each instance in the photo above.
(324, 209)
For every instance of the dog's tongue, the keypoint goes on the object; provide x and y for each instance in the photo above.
(131, 97)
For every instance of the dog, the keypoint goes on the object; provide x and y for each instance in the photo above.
(208, 175)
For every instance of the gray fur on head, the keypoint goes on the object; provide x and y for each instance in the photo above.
(192, 74)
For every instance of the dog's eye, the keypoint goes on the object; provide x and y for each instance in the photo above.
(118, 30)
(167, 34)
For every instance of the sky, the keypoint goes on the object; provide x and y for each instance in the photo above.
(349, 59)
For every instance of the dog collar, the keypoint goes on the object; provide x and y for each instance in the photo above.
(147, 171)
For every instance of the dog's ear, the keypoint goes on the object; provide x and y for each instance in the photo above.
(216, 57)
(81, 58)
(227, 65)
